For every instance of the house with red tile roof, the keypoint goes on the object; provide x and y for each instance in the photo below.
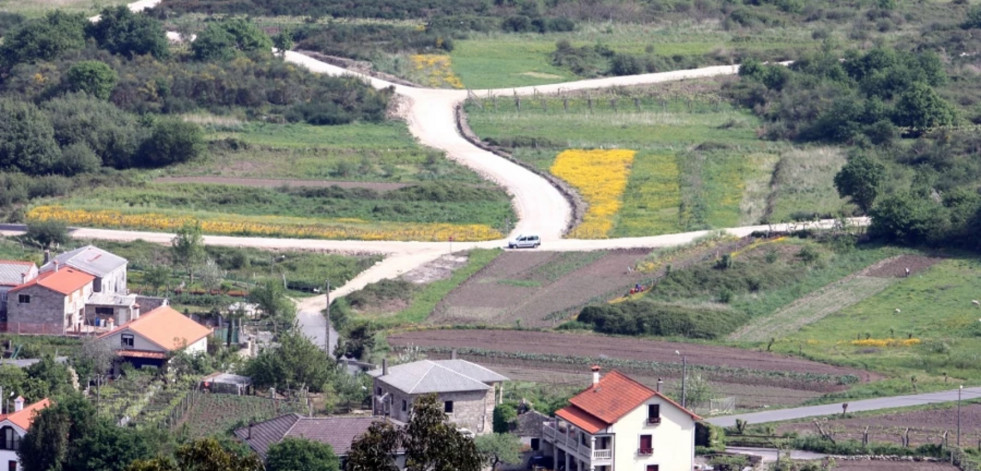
(155, 335)
(13, 427)
(618, 423)
(52, 303)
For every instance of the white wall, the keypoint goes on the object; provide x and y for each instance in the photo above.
(673, 440)
(201, 346)
(139, 343)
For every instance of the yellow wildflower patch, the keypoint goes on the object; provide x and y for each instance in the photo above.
(435, 70)
(600, 176)
(886, 342)
(756, 244)
(347, 228)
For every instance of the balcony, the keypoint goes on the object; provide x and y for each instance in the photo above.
(645, 451)
(653, 420)
(567, 439)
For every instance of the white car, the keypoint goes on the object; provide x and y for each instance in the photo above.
(525, 241)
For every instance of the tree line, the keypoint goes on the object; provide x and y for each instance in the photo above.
(77, 96)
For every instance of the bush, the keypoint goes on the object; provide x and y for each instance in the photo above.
(171, 142)
(47, 233)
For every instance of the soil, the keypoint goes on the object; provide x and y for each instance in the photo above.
(926, 426)
(896, 267)
(883, 465)
(275, 183)
(594, 345)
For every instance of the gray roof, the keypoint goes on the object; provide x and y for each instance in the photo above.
(228, 378)
(90, 259)
(11, 272)
(337, 431)
(112, 299)
(530, 423)
(440, 376)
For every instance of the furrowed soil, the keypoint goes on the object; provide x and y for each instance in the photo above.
(280, 182)
(755, 379)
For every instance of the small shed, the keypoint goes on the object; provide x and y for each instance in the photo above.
(227, 383)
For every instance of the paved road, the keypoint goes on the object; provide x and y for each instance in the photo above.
(780, 415)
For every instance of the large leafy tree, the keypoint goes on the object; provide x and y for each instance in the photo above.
(921, 107)
(298, 454)
(296, 363)
(187, 247)
(26, 138)
(93, 77)
(224, 40)
(171, 141)
(859, 179)
(121, 31)
(112, 134)
(205, 454)
(270, 296)
(376, 449)
(498, 448)
(43, 39)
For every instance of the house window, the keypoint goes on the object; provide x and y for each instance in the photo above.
(104, 311)
(127, 340)
(24, 298)
(378, 391)
(653, 413)
(535, 443)
(11, 440)
(448, 407)
(11, 465)
(97, 285)
(646, 445)
(405, 405)
(652, 467)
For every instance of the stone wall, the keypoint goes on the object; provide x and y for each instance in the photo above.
(472, 410)
(45, 314)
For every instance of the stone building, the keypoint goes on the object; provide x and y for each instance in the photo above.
(53, 303)
(13, 273)
(467, 391)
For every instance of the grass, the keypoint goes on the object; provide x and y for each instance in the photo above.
(34, 8)
(383, 152)
(935, 307)
(424, 301)
(699, 162)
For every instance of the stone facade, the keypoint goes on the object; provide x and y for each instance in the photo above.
(472, 410)
(39, 310)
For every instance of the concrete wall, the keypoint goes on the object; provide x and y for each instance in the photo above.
(7, 456)
(48, 312)
(673, 440)
(115, 281)
(473, 410)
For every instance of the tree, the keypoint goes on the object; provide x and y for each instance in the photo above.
(433, 444)
(920, 108)
(297, 362)
(156, 276)
(499, 448)
(54, 375)
(26, 138)
(907, 219)
(224, 40)
(187, 247)
(973, 19)
(108, 447)
(859, 179)
(43, 39)
(111, 133)
(95, 358)
(299, 454)
(171, 141)
(504, 416)
(376, 448)
(93, 77)
(283, 41)
(45, 446)
(205, 454)
(270, 296)
(121, 31)
(48, 232)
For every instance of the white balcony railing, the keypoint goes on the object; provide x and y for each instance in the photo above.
(571, 444)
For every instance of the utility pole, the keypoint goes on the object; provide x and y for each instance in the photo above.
(959, 391)
(327, 329)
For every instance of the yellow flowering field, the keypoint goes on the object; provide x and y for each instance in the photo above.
(435, 70)
(268, 226)
(600, 176)
(886, 342)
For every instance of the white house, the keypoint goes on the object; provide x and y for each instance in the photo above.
(151, 338)
(13, 427)
(618, 424)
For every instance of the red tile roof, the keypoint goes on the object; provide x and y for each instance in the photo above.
(602, 404)
(581, 419)
(165, 327)
(24, 417)
(65, 281)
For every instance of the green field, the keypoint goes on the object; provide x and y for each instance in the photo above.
(934, 306)
(353, 152)
(39, 7)
(699, 162)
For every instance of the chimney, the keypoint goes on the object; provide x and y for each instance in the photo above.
(384, 366)
(596, 375)
(47, 256)
(23, 278)
(18, 404)
(250, 432)
(659, 382)
(453, 354)
(55, 265)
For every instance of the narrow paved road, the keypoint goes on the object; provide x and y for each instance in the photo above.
(780, 415)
